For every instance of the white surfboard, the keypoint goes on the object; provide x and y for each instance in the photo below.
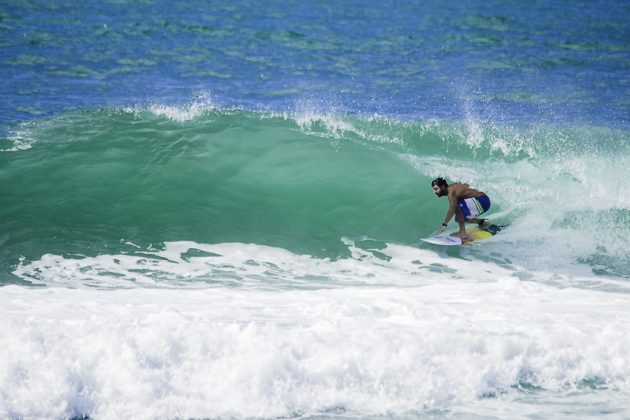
(445, 240)
(472, 236)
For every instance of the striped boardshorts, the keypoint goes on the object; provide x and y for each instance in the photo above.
(473, 207)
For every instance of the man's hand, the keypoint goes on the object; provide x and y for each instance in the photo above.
(441, 229)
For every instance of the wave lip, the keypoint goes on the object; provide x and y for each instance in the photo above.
(201, 105)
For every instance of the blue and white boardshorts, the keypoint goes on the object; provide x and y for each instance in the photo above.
(473, 207)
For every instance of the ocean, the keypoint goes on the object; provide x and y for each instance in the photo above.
(214, 209)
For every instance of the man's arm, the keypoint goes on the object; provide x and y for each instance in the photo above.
(454, 192)
(452, 208)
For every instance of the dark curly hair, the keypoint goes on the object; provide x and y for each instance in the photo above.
(440, 182)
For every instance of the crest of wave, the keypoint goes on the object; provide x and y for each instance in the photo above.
(201, 105)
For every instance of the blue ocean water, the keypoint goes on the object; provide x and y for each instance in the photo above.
(558, 61)
(213, 210)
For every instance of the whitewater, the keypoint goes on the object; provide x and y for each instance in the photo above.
(359, 320)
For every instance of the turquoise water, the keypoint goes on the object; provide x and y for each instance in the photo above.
(215, 210)
(89, 182)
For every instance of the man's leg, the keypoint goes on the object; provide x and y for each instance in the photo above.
(480, 222)
(460, 218)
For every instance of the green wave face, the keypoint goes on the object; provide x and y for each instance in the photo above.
(99, 182)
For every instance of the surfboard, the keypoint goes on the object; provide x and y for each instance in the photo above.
(474, 235)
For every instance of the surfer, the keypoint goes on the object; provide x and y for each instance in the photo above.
(465, 203)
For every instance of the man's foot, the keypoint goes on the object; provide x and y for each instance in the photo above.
(463, 235)
(483, 223)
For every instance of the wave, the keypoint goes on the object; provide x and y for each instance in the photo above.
(86, 183)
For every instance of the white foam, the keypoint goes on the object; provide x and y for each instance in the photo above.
(21, 138)
(222, 352)
(246, 330)
(201, 105)
(563, 212)
(330, 125)
(191, 264)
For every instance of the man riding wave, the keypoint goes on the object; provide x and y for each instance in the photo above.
(465, 203)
